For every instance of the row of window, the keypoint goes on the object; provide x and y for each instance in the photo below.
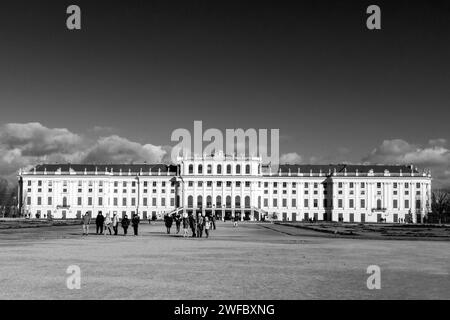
(209, 169)
(124, 201)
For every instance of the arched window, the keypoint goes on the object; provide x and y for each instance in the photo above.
(64, 202)
(228, 201)
(191, 169)
(209, 169)
(247, 169)
(209, 201)
(199, 201)
(237, 202)
(218, 201)
(200, 169)
(229, 169)
(247, 202)
(190, 201)
(379, 204)
(238, 169)
(219, 169)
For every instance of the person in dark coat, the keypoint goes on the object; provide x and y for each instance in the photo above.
(200, 222)
(168, 221)
(178, 222)
(213, 222)
(192, 224)
(135, 222)
(99, 222)
(125, 224)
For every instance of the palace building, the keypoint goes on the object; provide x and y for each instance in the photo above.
(227, 186)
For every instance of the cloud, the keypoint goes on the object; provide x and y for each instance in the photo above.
(435, 155)
(23, 145)
(33, 139)
(290, 158)
(115, 149)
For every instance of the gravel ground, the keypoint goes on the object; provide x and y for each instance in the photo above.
(249, 262)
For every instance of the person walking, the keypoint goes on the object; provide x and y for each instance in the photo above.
(207, 226)
(200, 226)
(177, 222)
(168, 221)
(185, 226)
(115, 223)
(86, 222)
(108, 223)
(135, 222)
(192, 224)
(125, 224)
(99, 221)
(213, 221)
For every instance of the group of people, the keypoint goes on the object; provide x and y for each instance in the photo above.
(197, 223)
(106, 224)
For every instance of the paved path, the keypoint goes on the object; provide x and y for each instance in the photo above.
(248, 262)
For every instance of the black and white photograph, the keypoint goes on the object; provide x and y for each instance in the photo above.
(243, 152)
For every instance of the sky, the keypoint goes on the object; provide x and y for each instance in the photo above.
(115, 90)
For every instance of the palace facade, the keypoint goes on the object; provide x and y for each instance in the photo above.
(228, 186)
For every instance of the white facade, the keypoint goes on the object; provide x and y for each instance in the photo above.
(229, 186)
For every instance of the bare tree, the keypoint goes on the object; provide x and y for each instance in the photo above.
(440, 203)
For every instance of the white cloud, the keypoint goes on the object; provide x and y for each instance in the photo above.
(290, 158)
(23, 145)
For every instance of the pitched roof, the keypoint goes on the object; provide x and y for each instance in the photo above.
(134, 168)
(316, 168)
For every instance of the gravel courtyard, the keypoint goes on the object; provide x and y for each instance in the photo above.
(252, 261)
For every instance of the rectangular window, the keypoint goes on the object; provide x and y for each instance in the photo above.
(39, 201)
(172, 202)
(266, 202)
(284, 203)
(363, 185)
(351, 203)
(79, 203)
(89, 201)
(154, 202)
(315, 203)
(247, 184)
(100, 201)
(363, 203)
(133, 201)
(395, 204)
(115, 202)
(29, 201)
(378, 185)
(406, 204)
(340, 185)
(305, 203)
(49, 201)
(145, 202)
(339, 203)
(294, 203)
(275, 202)
(163, 202)
(124, 202)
